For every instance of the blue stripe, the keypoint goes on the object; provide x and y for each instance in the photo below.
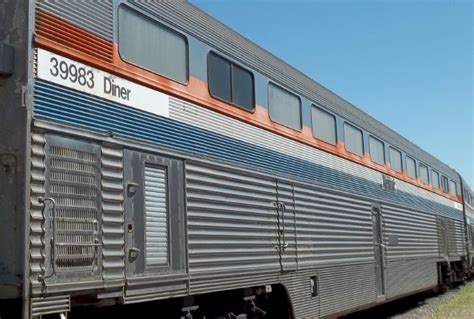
(68, 106)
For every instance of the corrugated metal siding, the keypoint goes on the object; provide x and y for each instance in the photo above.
(327, 168)
(37, 249)
(459, 248)
(332, 228)
(49, 305)
(304, 162)
(410, 275)
(113, 241)
(156, 216)
(50, 24)
(195, 22)
(337, 284)
(409, 233)
(299, 289)
(231, 221)
(95, 16)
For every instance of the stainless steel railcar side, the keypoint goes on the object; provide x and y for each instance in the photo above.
(109, 197)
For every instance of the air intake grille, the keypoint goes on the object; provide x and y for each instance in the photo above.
(156, 216)
(73, 182)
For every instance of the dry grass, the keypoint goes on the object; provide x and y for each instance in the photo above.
(460, 306)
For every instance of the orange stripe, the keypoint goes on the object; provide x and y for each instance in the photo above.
(196, 91)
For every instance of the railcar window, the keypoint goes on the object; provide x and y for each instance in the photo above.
(353, 140)
(424, 174)
(395, 159)
(324, 125)
(153, 46)
(284, 107)
(230, 82)
(219, 77)
(435, 179)
(376, 149)
(444, 183)
(411, 167)
(452, 187)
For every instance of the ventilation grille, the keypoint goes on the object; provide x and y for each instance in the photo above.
(156, 216)
(73, 184)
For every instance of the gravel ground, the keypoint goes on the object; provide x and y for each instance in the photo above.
(415, 307)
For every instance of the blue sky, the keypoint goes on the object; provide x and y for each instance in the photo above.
(409, 64)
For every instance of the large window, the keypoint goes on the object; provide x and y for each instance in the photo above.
(424, 174)
(353, 139)
(230, 83)
(324, 125)
(435, 179)
(153, 46)
(395, 159)
(284, 107)
(411, 167)
(376, 148)
(452, 187)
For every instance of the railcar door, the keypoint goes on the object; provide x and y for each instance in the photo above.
(379, 253)
(154, 209)
(286, 226)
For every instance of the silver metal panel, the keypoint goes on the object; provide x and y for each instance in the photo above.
(305, 305)
(226, 126)
(156, 216)
(337, 284)
(332, 228)
(231, 221)
(113, 242)
(191, 20)
(49, 305)
(37, 244)
(410, 275)
(409, 233)
(92, 15)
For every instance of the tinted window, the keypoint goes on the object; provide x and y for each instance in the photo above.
(324, 125)
(411, 167)
(424, 174)
(230, 82)
(435, 179)
(284, 107)
(153, 46)
(395, 159)
(242, 88)
(444, 183)
(376, 150)
(353, 139)
(219, 77)
(452, 187)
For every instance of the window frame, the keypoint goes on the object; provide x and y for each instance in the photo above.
(416, 170)
(427, 173)
(232, 63)
(313, 106)
(345, 142)
(451, 182)
(165, 26)
(444, 183)
(439, 179)
(390, 159)
(383, 150)
(291, 93)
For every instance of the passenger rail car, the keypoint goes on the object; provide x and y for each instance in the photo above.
(150, 153)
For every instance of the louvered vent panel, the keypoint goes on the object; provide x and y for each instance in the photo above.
(74, 185)
(156, 233)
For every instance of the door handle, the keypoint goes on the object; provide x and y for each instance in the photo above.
(133, 253)
(132, 188)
